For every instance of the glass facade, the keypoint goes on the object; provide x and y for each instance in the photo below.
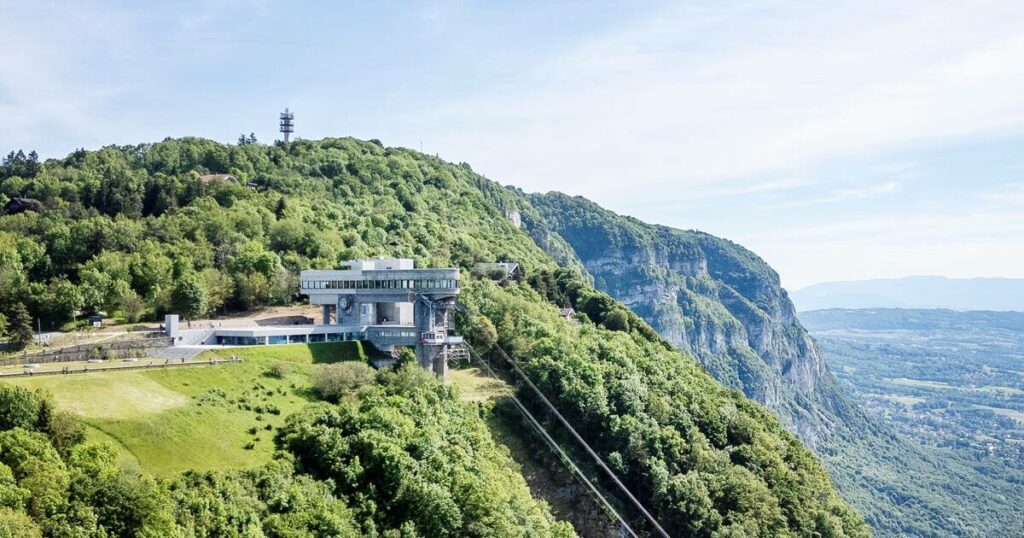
(289, 339)
(239, 340)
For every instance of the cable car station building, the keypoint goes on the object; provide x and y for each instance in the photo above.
(393, 303)
(387, 302)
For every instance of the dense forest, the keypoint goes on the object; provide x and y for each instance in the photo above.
(198, 227)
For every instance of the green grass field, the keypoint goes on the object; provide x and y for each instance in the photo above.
(201, 417)
(475, 386)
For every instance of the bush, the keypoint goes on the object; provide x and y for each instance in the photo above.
(17, 525)
(19, 407)
(330, 381)
(277, 370)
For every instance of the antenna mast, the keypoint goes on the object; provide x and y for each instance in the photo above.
(287, 125)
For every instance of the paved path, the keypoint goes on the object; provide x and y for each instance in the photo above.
(142, 364)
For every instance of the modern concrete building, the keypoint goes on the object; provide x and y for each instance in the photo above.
(387, 302)
(394, 303)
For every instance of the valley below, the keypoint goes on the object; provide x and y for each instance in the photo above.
(945, 379)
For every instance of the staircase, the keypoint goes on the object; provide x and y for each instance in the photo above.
(456, 352)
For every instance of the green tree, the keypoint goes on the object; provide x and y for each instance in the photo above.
(287, 234)
(19, 325)
(253, 290)
(280, 208)
(252, 257)
(189, 297)
(219, 288)
(19, 407)
(132, 306)
(283, 286)
(62, 300)
(617, 320)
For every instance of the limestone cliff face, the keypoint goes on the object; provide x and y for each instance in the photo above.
(709, 296)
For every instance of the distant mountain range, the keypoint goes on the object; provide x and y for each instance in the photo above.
(914, 292)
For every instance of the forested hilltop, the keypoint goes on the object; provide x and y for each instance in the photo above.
(140, 230)
(726, 306)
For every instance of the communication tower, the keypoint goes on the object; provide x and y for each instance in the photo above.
(287, 124)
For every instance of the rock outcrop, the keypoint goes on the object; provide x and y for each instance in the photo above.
(709, 296)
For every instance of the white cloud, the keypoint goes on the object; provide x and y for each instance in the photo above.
(705, 93)
(741, 189)
(844, 195)
(982, 236)
(42, 81)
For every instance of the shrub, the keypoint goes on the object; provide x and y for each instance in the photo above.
(330, 381)
(19, 407)
(277, 370)
(17, 525)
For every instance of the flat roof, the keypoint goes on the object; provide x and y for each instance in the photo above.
(389, 274)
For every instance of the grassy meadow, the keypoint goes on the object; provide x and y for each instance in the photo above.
(201, 417)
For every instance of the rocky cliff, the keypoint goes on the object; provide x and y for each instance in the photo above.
(709, 296)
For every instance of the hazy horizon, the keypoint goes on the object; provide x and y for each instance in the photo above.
(839, 143)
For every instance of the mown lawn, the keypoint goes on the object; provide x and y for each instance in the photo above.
(475, 386)
(199, 417)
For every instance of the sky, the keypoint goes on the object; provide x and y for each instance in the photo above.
(837, 140)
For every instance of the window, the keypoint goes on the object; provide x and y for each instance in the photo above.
(297, 338)
(316, 338)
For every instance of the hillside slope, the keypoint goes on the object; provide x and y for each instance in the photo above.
(145, 229)
(725, 305)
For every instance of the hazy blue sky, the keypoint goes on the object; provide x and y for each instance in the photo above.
(839, 142)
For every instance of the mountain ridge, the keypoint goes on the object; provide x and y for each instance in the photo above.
(920, 291)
